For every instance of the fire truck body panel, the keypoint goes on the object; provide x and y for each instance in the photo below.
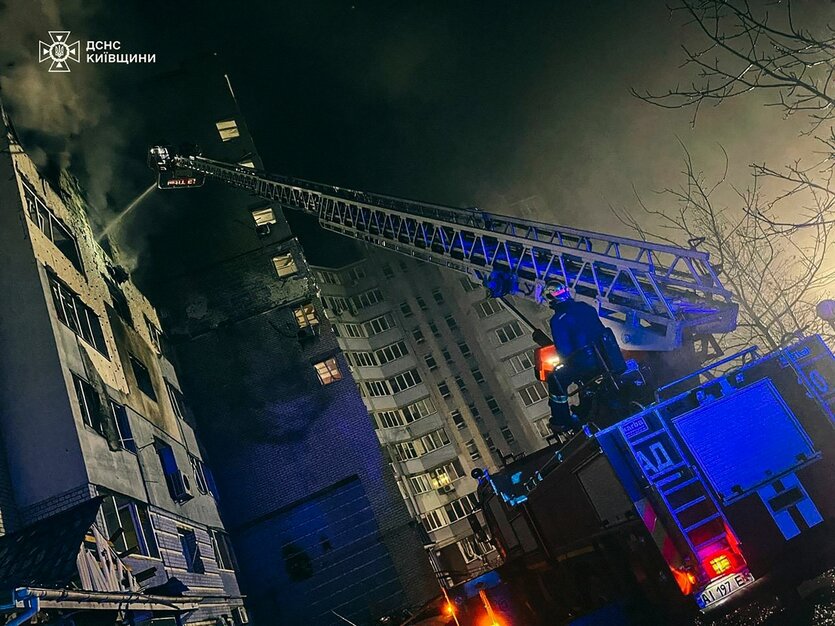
(726, 483)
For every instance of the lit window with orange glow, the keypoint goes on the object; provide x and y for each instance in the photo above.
(328, 371)
(285, 265)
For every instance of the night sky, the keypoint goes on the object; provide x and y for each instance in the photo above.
(515, 107)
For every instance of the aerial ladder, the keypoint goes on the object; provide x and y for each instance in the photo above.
(654, 297)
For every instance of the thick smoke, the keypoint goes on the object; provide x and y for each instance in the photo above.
(66, 121)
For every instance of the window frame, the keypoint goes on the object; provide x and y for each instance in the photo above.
(228, 129)
(123, 427)
(142, 376)
(284, 264)
(143, 528)
(74, 313)
(328, 371)
(89, 404)
(193, 558)
(48, 222)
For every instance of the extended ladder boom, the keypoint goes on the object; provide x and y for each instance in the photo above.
(652, 295)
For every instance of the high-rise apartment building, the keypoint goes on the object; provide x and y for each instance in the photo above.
(447, 376)
(107, 508)
(318, 524)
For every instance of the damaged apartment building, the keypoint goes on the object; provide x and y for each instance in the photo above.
(108, 512)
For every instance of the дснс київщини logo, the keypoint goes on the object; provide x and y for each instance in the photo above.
(60, 51)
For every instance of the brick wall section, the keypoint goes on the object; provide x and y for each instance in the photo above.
(213, 582)
(274, 434)
(58, 503)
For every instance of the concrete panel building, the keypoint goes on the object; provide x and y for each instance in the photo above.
(447, 376)
(92, 422)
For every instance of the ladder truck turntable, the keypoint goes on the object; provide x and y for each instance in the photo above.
(724, 473)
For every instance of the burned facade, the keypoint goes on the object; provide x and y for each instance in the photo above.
(101, 475)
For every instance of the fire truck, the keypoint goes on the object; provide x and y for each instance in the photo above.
(710, 485)
(717, 493)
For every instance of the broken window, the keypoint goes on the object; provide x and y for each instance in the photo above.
(477, 375)
(222, 546)
(285, 265)
(89, 402)
(128, 527)
(178, 401)
(430, 362)
(120, 302)
(52, 227)
(328, 371)
(120, 417)
(438, 296)
(444, 389)
(228, 130)
(76, 315)
(458, 419)
(154, 334)
(417, 335)
(191, 551)
(143, 378)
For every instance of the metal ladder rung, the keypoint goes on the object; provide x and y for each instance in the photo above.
(642, 439)
(703, 521)
(687, 505)
(708, 542)
(681, 486)
(672, 468)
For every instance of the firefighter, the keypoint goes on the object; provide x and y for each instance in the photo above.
(574, 326)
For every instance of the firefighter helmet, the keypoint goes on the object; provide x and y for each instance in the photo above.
(556, 292)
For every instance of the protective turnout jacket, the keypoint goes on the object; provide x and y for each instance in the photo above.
(574, 325)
